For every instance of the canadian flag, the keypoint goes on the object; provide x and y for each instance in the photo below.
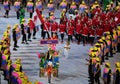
(32, 25)
(36, 19)
(39, 16)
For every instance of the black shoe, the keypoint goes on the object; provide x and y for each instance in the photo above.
(89, 80)
(34, 37)
(106, 58)
(27, 43)
(14, 49)
(17, 46)
(22, 42)
(4, 16)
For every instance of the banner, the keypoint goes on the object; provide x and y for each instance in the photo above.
(49, 42)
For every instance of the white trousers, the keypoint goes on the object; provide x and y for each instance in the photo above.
(66, 53)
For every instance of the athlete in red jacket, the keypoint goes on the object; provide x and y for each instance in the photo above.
(99, 32)
(79, 30)
(54, 28)
(78, 17)
(64, 21)
(71, 21)
(112, 24)
(62, 28)
(70, 32)
(85, 33)
(46, 28)
(106, 26)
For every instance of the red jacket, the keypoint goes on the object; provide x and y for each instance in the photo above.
(112, 25)
(99, 32)
(62, 28)
(95, 21)
(54, 27)
(103, 16)
(46, 26)
(64, 21)
(117, 15)
(92, 32)
(70, 30)
(109, 15)
(77, 18)
(89, 23)
(96, 11)
(72, 22)
(85, 19)
(106, 27)
(31, 24)
(85, 31)
(79, 28)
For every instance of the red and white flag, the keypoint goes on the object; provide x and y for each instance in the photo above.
(36, 19)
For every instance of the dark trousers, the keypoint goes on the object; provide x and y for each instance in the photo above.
(15, 43)
(42, 31)
(70, 38)
(58, 5)
(49, 78)
(17, 14)
(34, 32)
(91, 79)
(31, 15)
(29, 33)
(68, 5)
(78, 36)
(29, 36)
(24, 3)
(84, 39)
(97, 80)
(24, 38)
(111, 49)
(102, 58)
(62, 36)
(118, 47)
(44, 34)
(91, 40)
(2, 1)
(77, 6)
(0, 59)
(7, 13)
